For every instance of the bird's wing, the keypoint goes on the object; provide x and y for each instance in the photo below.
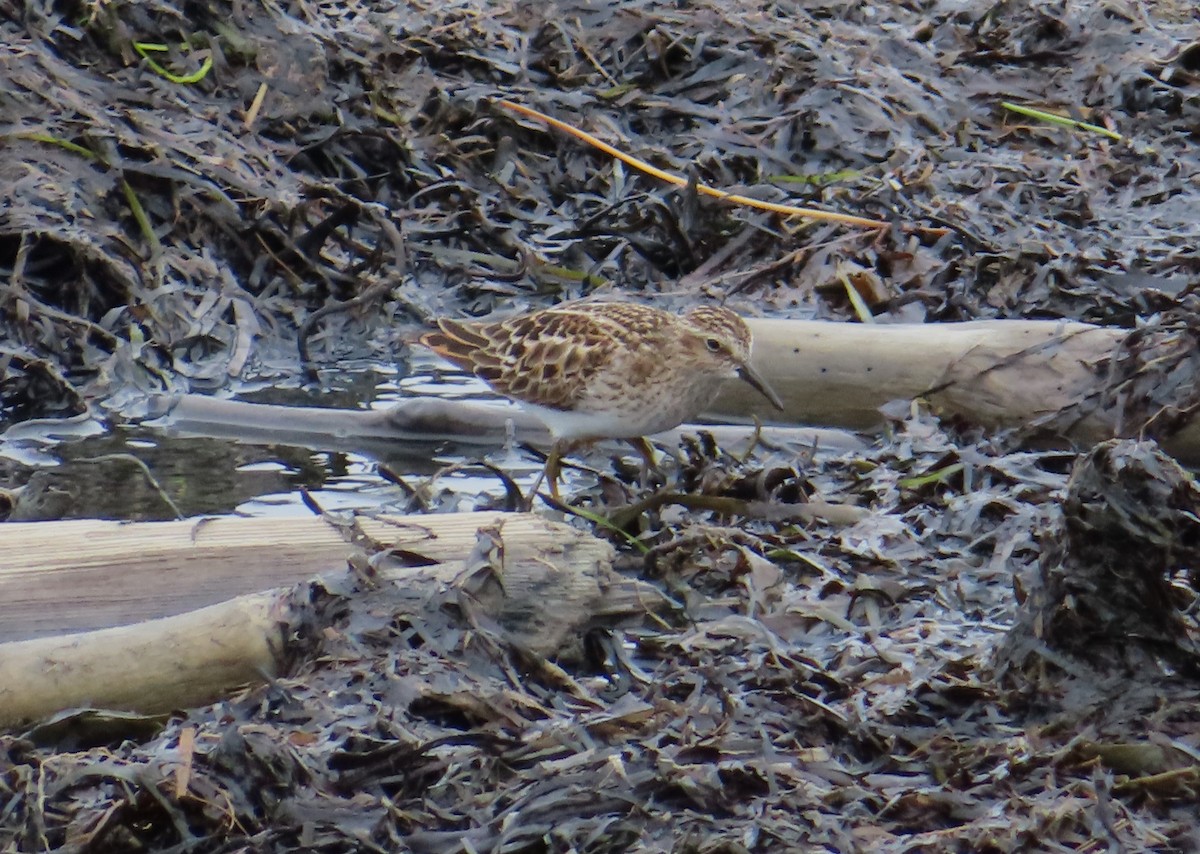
(545, 358)
(456, 341)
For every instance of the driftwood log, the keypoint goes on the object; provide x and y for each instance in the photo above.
(432, 420)
(996, 372)
(1053, 380)
(147, 582)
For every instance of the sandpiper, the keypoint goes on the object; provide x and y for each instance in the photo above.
(604, 370)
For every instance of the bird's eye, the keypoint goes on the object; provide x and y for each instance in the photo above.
(713, 344)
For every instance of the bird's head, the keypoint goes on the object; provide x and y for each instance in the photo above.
(723, 339)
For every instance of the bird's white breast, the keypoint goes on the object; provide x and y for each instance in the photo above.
(631, 416)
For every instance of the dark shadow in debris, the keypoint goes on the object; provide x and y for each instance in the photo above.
(1116, 591)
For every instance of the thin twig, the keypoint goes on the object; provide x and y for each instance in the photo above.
(703, 189)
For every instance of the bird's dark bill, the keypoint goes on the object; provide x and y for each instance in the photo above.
(752, 377)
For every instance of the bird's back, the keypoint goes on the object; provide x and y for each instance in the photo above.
(547, 358)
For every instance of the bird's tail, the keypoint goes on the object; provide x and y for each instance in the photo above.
(455, 341)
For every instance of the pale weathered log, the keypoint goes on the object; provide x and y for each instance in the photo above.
(77, 575)
(1001, 373)
(428, 419)
(150, 667)
(997, 373)
(554, 580)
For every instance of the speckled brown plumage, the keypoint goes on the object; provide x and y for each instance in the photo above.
(604, 369)
(549, 357)
(546, 358)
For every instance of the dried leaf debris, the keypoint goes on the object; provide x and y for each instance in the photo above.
(847, 685)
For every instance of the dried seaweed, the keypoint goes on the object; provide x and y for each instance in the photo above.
(375, 156)
(828, 685)
(1105, 593)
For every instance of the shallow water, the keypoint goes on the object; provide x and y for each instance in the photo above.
(144, 470)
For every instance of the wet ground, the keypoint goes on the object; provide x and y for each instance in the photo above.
(323, 180)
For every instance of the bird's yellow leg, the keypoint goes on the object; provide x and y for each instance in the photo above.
(648, 462)
(553, 468)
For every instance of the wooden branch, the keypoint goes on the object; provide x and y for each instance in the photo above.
(426, 419)
(554, 580)
(115, 573)
(150, 667)
(995, 372)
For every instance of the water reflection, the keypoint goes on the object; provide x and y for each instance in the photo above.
(143, 472)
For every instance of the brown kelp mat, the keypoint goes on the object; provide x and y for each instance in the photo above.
(995, 653)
